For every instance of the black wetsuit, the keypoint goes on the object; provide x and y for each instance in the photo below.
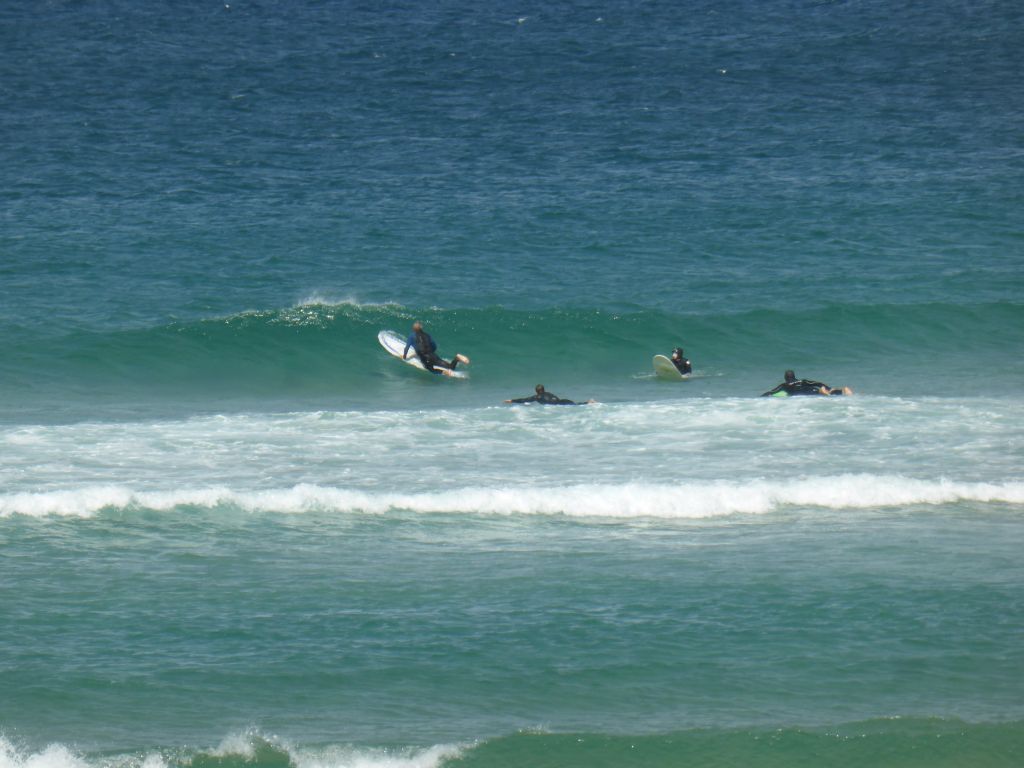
(682, 365)
(544, 398)
(426, 350)
(802, 387)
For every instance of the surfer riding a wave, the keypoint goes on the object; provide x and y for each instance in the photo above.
(426, 350)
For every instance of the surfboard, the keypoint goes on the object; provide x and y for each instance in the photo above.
(665, 369)
(395, 345)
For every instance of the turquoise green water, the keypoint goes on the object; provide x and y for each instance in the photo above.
(712, 634)
(327, 356)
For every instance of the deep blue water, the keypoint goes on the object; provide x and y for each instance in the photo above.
(203, 159)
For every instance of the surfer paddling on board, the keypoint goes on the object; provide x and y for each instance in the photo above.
(794, 386)
(426, 350)
(680, 362)
(544, 397)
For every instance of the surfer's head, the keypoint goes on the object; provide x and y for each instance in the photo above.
(417, 326)
(539, 389)
(790, 376)
(677, 352)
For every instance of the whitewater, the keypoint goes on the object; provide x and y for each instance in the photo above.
(689, 457)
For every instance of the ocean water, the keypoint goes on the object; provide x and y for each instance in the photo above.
(235, 533)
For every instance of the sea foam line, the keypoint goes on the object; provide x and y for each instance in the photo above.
(686, 500)
(53, 756)
(246, 746)
(317, 299)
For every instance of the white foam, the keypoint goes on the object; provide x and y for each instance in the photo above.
(685, 500)
(244, 745)
(336, 756)
(652, 445)
(53, 756)
(241, 744)
(317, 299)
(350, 757)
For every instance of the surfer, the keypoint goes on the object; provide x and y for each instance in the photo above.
(794, 386)
(680, 362)
(426, 350)
(544, 397)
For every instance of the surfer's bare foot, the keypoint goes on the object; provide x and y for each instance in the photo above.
(462, 359)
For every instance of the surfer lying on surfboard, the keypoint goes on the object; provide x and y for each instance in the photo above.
(794, 386)
(426, 350)
(546, 398)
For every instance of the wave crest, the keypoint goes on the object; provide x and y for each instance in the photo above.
(243, 750)
(53, 756)
(691, 500)
(323, 345)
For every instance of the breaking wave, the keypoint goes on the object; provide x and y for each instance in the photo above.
(693, 500)
(332, 347)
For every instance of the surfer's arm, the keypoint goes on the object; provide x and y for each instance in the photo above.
(521, 400)
(405, 352)
(775, 391)
(815, 386)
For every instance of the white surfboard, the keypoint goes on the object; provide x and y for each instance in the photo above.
(395, 345)
(664, 368)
